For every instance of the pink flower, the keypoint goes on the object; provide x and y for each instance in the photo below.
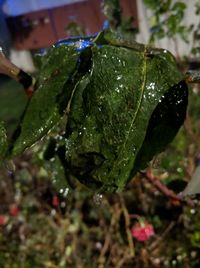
(142, 231)
(55, 201)
(14, 210)
(3, 220)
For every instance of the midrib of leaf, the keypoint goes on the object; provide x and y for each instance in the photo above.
(144, 72)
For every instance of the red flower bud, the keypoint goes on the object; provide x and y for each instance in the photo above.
(55, 201)
(142, 231)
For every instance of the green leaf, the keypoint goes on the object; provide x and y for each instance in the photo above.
(112, 12)
(151, 4)
(179, 6)
(106, 134)
(124, 103)
(45, 107)
(164, 123)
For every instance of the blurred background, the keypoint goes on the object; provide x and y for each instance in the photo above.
(34, 24)
(45, 224)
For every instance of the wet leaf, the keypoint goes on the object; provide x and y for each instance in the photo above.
(45, 109)
(164, 123)
(125, 102)
(114, 109)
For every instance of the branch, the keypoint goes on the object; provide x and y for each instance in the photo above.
(116, 212)
(14, 72)
(127, 224)
(164, 189)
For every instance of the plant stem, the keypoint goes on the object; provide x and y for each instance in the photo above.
(164, 189)
(127, 224)
(14, 72)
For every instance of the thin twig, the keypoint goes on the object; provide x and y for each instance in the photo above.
(164, 189)
(127, 223)
(11, 70)
(161, 237)
(115, 216)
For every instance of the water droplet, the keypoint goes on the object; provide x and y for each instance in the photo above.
(150, 94)
(134, 150)
(66, 192)
(119, 77)
(119, 61)
(151, 85)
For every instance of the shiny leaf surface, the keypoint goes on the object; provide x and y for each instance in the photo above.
(124, 103)
(114, 109)
(45, 108)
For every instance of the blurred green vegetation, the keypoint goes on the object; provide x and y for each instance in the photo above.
(12, 102)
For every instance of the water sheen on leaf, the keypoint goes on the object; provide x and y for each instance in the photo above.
(114, 110)
(124, 103)
(164, 123)
(44, 109)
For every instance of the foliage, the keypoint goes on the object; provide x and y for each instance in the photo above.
(73, 29)
(113, 122)
(166, 20)
(196, 34)
(112, 11)
(116, 21)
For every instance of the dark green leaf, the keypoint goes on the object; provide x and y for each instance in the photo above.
(114, 109)
(179, 6)
(124, 102)
(44, 109)
(164, 123)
